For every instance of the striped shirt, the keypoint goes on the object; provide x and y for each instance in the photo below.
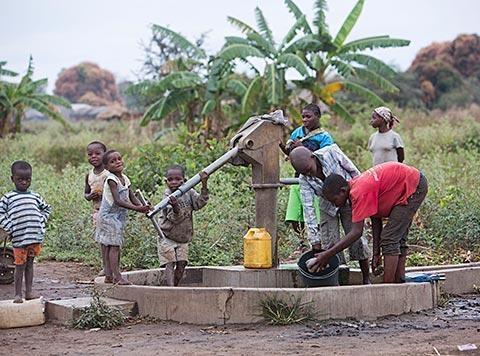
(333, 161)
(23, 215)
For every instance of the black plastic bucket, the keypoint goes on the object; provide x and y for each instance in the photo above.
(326, 277)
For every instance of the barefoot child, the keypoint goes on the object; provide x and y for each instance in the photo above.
(311, 136)
(95, 178)
(177, 224)
(117, 199)
(386, 145)
(23, 215)
(389, 190)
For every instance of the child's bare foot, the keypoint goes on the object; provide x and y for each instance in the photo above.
(18, 299)
(122, 282)
(30, 296)
(108, 279)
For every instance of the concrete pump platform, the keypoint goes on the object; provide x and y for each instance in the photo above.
(221, 295)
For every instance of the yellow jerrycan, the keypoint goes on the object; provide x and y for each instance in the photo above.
(257, 248)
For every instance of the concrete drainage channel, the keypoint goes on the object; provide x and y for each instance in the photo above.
(231, 295)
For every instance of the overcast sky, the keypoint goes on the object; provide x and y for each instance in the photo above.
(59, 34)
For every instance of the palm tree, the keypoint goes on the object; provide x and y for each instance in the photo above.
(339, 65)
(15, 99)
(194, 89)
(268, 89)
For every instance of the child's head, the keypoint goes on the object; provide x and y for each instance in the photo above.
(175, 177)
(303, 161)
(95, 152)
(336, 189)
(21, 175)
(382, 117)
(311, 116)
(112, 161)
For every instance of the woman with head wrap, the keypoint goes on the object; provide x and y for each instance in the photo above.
(386, 145)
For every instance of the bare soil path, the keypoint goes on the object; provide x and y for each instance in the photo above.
(414, 334)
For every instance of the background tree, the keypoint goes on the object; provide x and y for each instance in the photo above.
(16, 98)
(87, 83)
(449, 72)
(268, 89)
(338, 65)
(190, 88)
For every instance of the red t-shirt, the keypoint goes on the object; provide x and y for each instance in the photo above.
(376, 191)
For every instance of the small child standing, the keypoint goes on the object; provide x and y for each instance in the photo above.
(95, 178)
(23, 215)
(117, 199)
(177, 224)
(386, 145)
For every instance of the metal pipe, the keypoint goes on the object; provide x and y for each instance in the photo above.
(189, 184)
(156, 225)
(289, 181)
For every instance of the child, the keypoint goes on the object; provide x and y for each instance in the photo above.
(386, 145)
(311, 136)
(389, 190)
(23, 215)
(95, 178)
(117, 199)
(177, 224)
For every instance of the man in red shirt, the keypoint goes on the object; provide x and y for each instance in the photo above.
(390, 190)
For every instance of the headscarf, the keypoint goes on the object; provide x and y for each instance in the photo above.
(386, 114)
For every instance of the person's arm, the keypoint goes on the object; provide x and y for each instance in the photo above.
(346, 163)
(323, 257)
(399, 145)
(200, 200)
(45, 209)
(125, 204)
(89, 195)
(400, 154)
(307, 195)
(376, 233)
(174, 213)
(5, 222)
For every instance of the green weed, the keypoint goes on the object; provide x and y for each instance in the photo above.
(277, 311)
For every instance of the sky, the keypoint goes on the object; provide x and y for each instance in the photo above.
(60, 34)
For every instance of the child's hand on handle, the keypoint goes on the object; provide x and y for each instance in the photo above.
(203, 178)
(143, 208)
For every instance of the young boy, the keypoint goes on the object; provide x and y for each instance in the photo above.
(95, 178)
(94, 181)
(23, 215)
(389, 190)
(176, 221)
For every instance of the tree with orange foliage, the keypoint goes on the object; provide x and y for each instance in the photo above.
(87, 83)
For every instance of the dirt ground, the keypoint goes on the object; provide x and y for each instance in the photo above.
(435, 332)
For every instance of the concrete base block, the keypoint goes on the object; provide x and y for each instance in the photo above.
(222, 305)
(66, 310)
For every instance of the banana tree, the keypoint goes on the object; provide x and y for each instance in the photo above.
(197, 90)
(15, 99)
(268, 89)
(339, 65)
